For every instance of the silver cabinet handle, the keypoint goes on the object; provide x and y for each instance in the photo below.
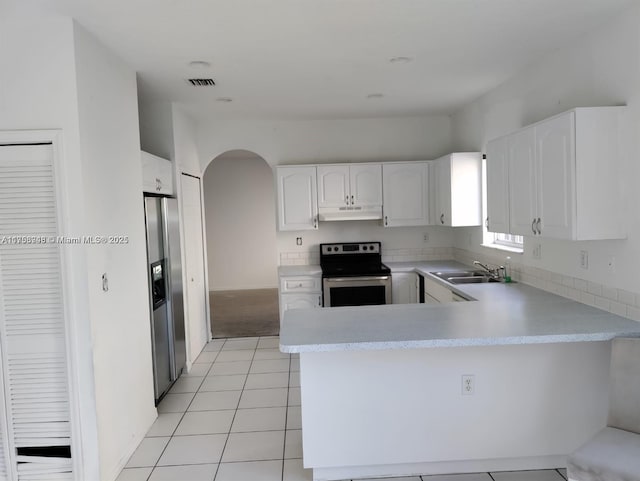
(533, 226)
(351, 200)
(486, 223)
(386, 220)
(346, 200)
(320, 301)
(442, 218)
(359, 279)
(538, 226)
(315, 222)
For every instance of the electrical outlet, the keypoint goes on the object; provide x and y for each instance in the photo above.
(468, 384)
(298, 241)
(584, 259)
(537, 251)
(425, 237)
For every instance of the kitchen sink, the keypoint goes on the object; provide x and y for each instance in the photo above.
(465, 277)
(471, 280)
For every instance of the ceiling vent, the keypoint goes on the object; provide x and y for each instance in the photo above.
(201, 82)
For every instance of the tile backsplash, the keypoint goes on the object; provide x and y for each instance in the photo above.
(388, 255)
(617, 301)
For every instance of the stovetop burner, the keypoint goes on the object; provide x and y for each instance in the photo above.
(352, 259)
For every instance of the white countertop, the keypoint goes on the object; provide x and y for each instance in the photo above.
(307, 270)
(502, 314)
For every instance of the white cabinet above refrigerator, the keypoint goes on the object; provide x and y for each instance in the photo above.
(157, 174)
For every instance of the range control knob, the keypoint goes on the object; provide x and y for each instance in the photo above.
(364, 248)
(335, 249)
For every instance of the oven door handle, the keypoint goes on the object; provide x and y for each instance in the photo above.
(358, 278)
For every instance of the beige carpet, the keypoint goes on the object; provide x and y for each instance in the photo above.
(245, 313)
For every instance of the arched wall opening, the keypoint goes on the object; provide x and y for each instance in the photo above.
(239, 203)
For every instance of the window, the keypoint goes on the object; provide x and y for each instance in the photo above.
(508, 240)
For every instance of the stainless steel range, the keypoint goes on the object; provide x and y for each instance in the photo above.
(353, 275)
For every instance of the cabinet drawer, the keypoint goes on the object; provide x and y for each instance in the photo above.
(300, 284)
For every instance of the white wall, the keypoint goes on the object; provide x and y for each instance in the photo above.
(185, 149)
(112, 179)
(36, 48)
(348, 140)
(311, 141)
(239, 202)
(156, 125)
(602, 68)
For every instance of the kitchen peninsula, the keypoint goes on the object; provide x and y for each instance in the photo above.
(515, 379)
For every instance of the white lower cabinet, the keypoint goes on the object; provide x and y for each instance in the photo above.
(300, 292)
(436, 293)
(404, 288)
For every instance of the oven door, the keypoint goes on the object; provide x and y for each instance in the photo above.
(356, 291)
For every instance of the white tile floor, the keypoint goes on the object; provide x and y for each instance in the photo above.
(236, 417)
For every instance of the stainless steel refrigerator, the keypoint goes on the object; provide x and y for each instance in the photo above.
(165, 291)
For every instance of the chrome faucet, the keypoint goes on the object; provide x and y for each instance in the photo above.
(495, 273)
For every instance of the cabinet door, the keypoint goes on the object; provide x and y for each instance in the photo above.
(405, 191)
(297, 201)
(333, 185)
(404, 288)
(522, 182)
(366, 184)
(442, 171)
(299, 301)
(437, 291)
(555, 156)
(165, 177)
(157, 174)
(498, 186)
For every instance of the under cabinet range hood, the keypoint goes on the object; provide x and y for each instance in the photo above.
(352, 212)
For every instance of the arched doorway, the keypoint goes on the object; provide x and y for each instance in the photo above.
(239, 202)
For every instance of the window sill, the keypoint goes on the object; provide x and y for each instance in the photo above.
(514, 250)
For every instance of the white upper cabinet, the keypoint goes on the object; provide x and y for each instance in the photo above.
(497, 186)
(349, 185)
(555, 177)
(405, 187)
(297, 199)
(333, 185)
(522, 182)
(157, 174)
(564, 177)
(365, 182)
(457, 189)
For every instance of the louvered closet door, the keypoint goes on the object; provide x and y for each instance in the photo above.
(32, 328)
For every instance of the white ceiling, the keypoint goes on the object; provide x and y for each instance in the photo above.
(321, 58)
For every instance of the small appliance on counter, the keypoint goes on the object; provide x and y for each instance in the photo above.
(353, 275)
(165, 291)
